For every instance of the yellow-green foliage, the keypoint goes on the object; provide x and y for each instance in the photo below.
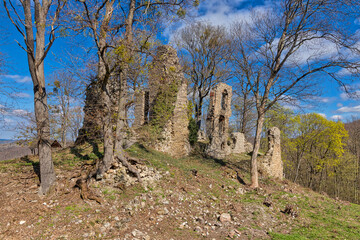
(318, 141)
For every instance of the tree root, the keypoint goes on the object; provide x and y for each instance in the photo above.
(87, 172)
(124, 161)
(85, 192)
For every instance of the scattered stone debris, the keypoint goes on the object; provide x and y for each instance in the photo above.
(291, 210)
(121, 177)
(225, 217)
(194, 172)
(267, 202)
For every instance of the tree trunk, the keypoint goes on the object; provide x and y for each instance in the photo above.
(107, 160)
(122, 100)
(254, 166)
(47, 173)
(121, 121)
(36, 68)
(297, 169)
(244, 116)
(63, 133)
(104, 73)
(198, 113)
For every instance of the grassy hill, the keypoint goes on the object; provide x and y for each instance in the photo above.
(195, 198)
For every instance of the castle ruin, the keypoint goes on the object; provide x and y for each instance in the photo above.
(165, 104)
(141, 110)
(217, 122)
(271, 164)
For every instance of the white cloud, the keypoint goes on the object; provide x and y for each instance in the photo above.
(322, 114)
(339, 105)
(20, 95)
(353, 94)
(8, 121)
(20, 112)
(336, 117)
(322, 99)
(355, 109)
(344, 96)
(346, 72)
(18, 78)
(357, 21)
(313, 50)
(222, 13)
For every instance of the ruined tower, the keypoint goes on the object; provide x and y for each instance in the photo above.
(141, 110)
(217, 122)
(271, 164)
(165, 105)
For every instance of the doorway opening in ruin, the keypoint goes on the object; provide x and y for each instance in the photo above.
(224, 99)
(221, 124)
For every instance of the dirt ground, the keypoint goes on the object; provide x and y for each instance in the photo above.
(194, 199)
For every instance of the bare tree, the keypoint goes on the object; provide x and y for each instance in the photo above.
(113, 26)
(285, 50)
(204, 57)
(64, 99)
(32, 23)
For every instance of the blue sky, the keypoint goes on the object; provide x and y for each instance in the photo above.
(333, 104)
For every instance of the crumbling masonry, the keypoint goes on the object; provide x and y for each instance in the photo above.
(271, 164)
(141, 110)
(217, 122)
(166, 101)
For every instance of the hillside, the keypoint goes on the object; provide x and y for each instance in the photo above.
(194, 198)
(10, 150)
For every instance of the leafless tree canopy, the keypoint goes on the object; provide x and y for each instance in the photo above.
(282, 52)
(204, 50)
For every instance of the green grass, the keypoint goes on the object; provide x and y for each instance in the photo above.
(323, 219)
(320, 217)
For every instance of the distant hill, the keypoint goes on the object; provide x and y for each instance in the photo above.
(9, 149)
(3, 141)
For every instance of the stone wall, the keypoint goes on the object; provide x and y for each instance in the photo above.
(238, 142)
(95, 109)
(92, 126)
(167, 83)
(217, 122)
(271, 164)
(141, 108)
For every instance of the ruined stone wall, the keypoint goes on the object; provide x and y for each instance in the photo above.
(95, 110)
(271, 164)
(238, 142)
(92, 124)
(217, 122)
(168, 102)
(141, 108)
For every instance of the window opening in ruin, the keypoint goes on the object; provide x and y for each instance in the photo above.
(221, 124)
(224, 99)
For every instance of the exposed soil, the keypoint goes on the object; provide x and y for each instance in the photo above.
(194, 199)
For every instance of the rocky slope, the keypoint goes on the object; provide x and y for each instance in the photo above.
(190, 198)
